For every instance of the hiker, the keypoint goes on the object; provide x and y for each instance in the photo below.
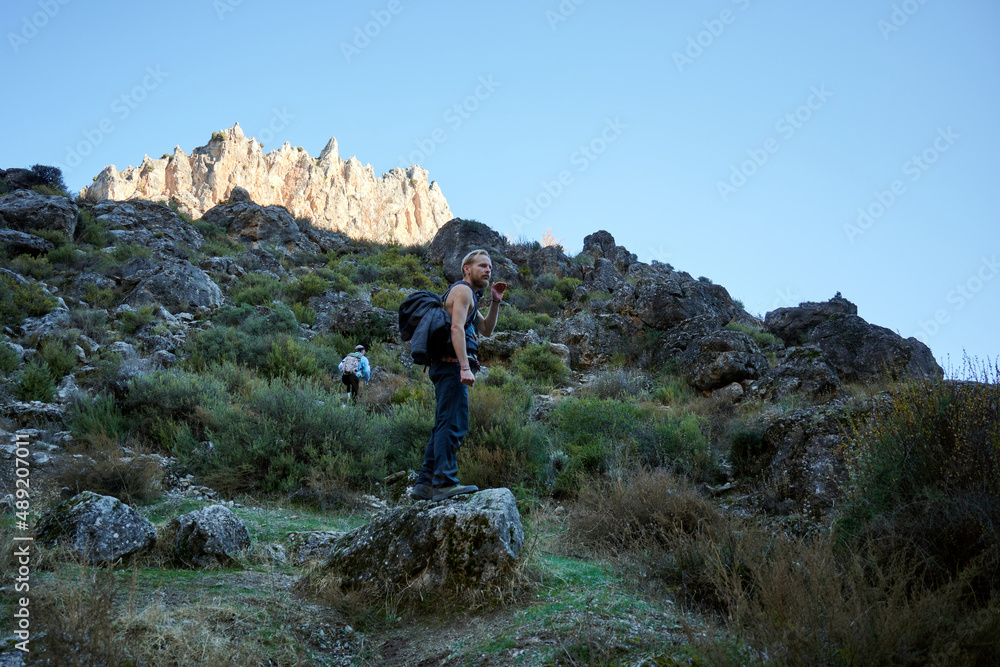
(452, 376)
(354, 368)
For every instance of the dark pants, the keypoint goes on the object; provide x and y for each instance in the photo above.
(353, 383)
(451, 423)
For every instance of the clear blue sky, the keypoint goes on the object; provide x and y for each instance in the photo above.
(736, 139)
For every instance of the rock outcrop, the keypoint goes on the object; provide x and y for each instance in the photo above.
(96, 528)
(471, 541)
(24, 211)
(459, 237)
(213, 535)
(335, 194)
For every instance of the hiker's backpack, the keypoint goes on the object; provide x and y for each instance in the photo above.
(426, 324)
(351, 364)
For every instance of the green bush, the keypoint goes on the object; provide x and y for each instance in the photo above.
(747, 450)
(289, 358)
(59, 354)
(93, 232)
(154, 402)
(19, 301)
(304, 314)
(256, 289)
(511, 319)
(9, 361)
(217, 241)
(38, 268)
(282, 432)
(35, 383)
(389, 300)
(306, 287)
(123, 253)
(99, 297)
(679, 444)
(538, 363)
(131, 321)
(90, 418)
(763, 339)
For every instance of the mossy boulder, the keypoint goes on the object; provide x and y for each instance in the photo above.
(97, 528)
(469, 542)
(209, 536)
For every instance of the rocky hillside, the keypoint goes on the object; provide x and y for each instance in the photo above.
(335, 194)
(674, 459)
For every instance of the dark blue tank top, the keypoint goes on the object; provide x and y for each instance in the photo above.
(471, 337)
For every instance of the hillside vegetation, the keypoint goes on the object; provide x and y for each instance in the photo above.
(668, 522)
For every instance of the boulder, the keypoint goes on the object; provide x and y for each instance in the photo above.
(97, 528)
(149, 224)
(793, 325)
(594, 338)
(550, 260)
(718, 359)
(209, 536)
(601, 244)
(343, 314)
(665, 298)
(503, 344)
(862, 352)
(467, 542)
(805, 458)
(254, 225)
(178, 286)
(459, 237)
(22, 243)
(801, 371)
(604, 277)
(25, 210)
(312, 546)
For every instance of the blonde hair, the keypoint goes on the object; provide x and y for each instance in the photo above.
(468, 259)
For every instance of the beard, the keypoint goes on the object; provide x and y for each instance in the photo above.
(480, 283)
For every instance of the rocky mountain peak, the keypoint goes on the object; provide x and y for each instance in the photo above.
(344, 196)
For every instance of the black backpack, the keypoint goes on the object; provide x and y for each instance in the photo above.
(426, 324)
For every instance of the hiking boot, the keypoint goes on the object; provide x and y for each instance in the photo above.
(445, 492)
(421, 492)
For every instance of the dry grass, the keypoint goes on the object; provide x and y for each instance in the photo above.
(798, 600)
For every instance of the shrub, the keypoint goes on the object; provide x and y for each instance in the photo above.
(282, 431)
(256, 289)
(747, 450)
(678, 443)
(675, 392)
(538, 363)
(94, 417)
(93, 232)
(9, 361)
(104, 470)
(306, 287)
(288, 358)
(123, 253)
(155, 402)
(389, 300)
(617, 384)
(511, 319)
(304, 314)
(59, 355)
(38, 268)
(925, 481)
(132, 320)
(763, 339)
(99, 297)
(35, 383)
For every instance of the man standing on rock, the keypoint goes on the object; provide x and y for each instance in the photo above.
(452, 376)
